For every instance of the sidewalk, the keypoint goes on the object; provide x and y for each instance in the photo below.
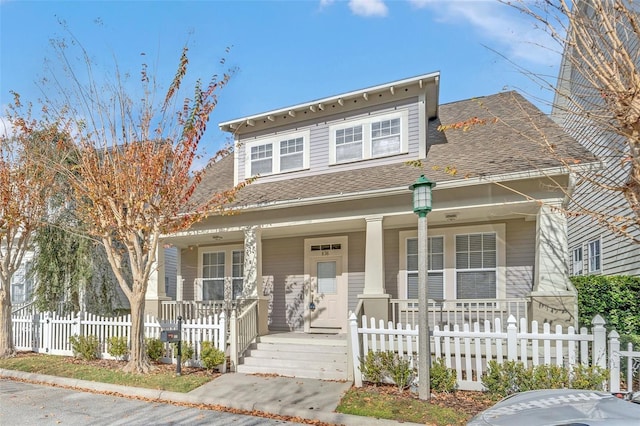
(305, 398)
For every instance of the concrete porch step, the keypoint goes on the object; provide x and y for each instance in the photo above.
(298, 355)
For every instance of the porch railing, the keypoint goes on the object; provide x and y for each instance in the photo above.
(243, 330)
(459, 311)
(194, 309)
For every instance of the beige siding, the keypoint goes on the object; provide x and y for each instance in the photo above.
(283, 275)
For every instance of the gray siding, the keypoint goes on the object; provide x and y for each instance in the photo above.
(320, 142)
(283, 275)
(619, 254)
(521, 254)
(170, 271)
(189, 267)
(391, 261)
(357, 241)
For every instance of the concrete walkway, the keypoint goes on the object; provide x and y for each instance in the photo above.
(305, 398)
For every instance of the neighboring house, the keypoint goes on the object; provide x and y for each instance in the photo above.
(593, 248)
(328, 227)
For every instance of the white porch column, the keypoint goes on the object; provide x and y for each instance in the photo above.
(553, 298)
(375, 299)
(155, 287)
(253, 286)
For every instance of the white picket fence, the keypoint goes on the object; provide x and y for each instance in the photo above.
(49, 332)
(468, 349)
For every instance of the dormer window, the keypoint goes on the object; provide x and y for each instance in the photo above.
(371, 137)
(282, 153)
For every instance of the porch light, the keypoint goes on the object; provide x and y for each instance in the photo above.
(421, 206)
(422, 195)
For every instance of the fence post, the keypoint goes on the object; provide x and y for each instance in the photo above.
(599, 342)
(233, 340)
(355, 349)
(512, 339)
(76, 327)
(614, 362)
(46, 331)
(222, 337)
(35, 332)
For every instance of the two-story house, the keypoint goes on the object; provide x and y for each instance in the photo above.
(328, 226)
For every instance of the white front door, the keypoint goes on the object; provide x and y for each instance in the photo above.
(327, 292)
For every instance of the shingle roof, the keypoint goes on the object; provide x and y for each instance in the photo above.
(520, 140)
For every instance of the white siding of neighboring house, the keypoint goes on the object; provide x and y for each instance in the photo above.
(619, 254)
(320, 141)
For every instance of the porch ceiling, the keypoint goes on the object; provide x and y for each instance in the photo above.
(440, 217)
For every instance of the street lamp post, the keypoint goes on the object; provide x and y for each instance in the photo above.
(421, 206)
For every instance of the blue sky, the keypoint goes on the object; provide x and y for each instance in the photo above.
(287, 52)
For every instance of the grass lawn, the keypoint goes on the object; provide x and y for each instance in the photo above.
(106, 371)
(384, 402)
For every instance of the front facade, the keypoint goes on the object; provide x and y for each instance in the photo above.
(328, 226)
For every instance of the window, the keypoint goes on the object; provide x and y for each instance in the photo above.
(371, 137)
(222, 274)
(349, 144)
(291, 154)
(385, 137)
(22, 283)
(576, 261)
(435, 265)
(277, 154)
(594, 256)
(261, 159)
(476, 266)
(237, 273)
(213, 276)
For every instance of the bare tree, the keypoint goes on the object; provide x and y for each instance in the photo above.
(132, 178)
(597, 100)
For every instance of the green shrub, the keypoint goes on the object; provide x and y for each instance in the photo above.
(85, 347)
(187, 351)
(118, 347)
(615, 298)
(504, 379)
(400, 370)
(443, 379)
(211, 356)
(584, 377)
(378, 367)
(155, 348)
(512, 376)
(372, 367)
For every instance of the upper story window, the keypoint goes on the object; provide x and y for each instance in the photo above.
(371, 137)
(576, 261)
(594, 256)
(277, 154)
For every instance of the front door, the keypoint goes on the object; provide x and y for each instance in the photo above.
(327, 293)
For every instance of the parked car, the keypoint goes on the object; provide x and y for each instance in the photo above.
(560, 407)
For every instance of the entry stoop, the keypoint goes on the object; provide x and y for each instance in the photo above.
(312, 356)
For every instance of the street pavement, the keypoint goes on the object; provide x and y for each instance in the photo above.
(292, 397)
(31, 404)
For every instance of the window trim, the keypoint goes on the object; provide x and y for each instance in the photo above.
(275, 151)
(599, 270)
(403, 275)
(367, 146)
(228, 268)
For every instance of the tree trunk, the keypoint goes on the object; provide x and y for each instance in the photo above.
(6, 328)
(138, 359)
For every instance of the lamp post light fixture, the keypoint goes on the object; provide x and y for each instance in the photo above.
(421, 206)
